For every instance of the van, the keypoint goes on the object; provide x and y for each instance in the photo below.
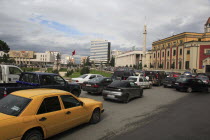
(9, 73)
(123, 73)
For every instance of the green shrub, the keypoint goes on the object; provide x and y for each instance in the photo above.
(55, 71)
(85, 70)
(69, 73)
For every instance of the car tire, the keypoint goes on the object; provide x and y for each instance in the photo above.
(76, 93)
(140, 94)
(33, 134)
(96, 116)
(189, 89)
(150, 86)
(126, 98)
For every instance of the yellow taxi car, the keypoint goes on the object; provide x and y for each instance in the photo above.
(37, 114)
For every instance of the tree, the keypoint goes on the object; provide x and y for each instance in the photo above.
(140, 66)
(88, 62)
(112, 62)
(58, 57)
(4, 47)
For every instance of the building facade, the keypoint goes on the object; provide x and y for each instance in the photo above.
(184, 51)
(130, 58)
(32, 58)
(100, 51)
(116, 53)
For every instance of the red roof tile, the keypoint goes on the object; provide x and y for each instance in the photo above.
(208, 21)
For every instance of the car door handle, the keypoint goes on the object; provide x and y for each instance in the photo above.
(68, 112)
(43, 119)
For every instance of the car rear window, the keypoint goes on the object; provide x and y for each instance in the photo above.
(83, 76)
(132, 79)
(13, 105)
(29, 77)
(119, 84)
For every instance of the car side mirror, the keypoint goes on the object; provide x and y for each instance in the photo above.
(81, 103)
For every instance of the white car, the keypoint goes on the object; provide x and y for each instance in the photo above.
(141, 81)
(85, 77)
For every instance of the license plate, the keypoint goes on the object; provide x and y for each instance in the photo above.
(169, 85)
(111, 96)
(88, 85)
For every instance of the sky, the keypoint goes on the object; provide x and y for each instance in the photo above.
(68, 25)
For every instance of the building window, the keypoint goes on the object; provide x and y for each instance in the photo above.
(163, 54)
(187, 64)
(181, 41)
(180, 64)
(207, 51)
(174, 52)
(158, 55)
(154, 55)
(180, 51)
(188, 51)
(199, 39)
(168, 53)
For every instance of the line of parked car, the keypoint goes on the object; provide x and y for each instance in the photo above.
(188, 82)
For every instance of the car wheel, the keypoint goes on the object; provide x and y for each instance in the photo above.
(140, 94)
(33, 135)
(150, 86)
(189, 89)
(126, 98)
(96, 116)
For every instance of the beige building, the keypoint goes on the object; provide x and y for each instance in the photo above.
(32, 58)
(115, 53)
(129, 58)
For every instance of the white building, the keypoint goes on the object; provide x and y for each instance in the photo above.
(129, 58)
(116, 53)
(100, 51)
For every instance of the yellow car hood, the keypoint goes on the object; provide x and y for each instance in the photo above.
(4, 116)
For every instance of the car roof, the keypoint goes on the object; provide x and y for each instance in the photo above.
(40, 73)
(31, 93)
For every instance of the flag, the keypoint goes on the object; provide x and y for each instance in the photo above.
(73, 53)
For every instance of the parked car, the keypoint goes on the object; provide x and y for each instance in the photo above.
(190, 85)
(31, 80)
(205, 79)
(96, 85)
(85, 77)
(174, 74)
(42, 113)
(158, 76)
(122, 91)
(169, 82)
(122, 73)
(140, 81)
(9, 73)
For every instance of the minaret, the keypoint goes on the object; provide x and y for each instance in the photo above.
(144, 46)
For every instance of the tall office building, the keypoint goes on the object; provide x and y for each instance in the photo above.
(100, 51)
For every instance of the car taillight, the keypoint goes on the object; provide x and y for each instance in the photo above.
(5, 92)
(157, 76)
(76, 81)
(181, 84)
(95, 86)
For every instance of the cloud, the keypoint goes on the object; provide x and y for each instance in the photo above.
(66, 25)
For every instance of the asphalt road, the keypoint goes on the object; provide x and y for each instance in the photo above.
(187, 119)
(119, 117)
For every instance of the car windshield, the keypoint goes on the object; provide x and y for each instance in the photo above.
(83, 76)
(13, 105)
(132, 79)
(97, 79)
(183, 80)
(118, 84)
